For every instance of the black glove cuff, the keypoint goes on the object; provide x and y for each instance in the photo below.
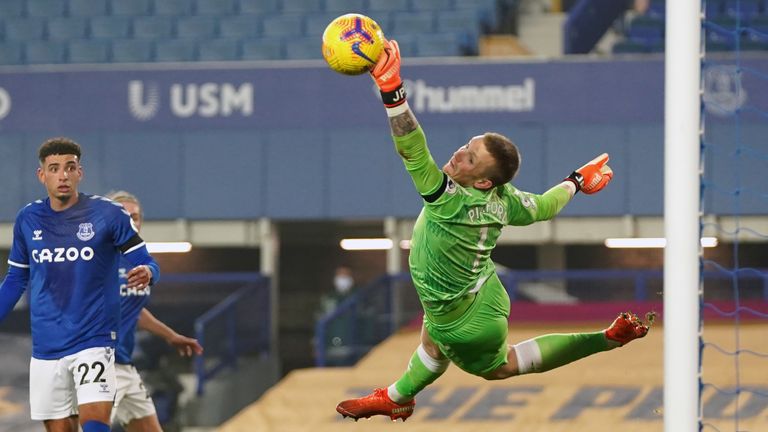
(393, 98)
(577, 180)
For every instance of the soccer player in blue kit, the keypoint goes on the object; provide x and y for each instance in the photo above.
(133, 407)
(67, 249)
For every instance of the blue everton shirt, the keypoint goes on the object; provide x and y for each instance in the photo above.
(132, 301)
(71, 261)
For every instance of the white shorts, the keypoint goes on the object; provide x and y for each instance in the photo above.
(133, 400)
(57, 387)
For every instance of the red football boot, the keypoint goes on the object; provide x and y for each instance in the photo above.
(376, 403)
(626, 328)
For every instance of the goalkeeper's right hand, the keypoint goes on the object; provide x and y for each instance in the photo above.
(593, 176)
(386, 74)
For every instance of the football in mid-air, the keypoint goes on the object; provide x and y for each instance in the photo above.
(352, 44)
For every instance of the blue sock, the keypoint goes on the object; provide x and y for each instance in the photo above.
(95, 426)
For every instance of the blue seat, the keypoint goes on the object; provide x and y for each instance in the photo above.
(263, 49)
(175, 50)
(467, 20)
(67, 28)
(259, 6)
(387, 5)
(88, 51)
(432, 5)
(152, 27)
(173, 7)
(412, 23)
(439, 45)
(24, 29)
(215, 7)
(283, 25)
(302, 6)
(45, 52)
(345, 6)
(407, 44)
(131, 7)
(315, 24)
(108, 27)
(88, 8)
(646, 29)
(131, 51)
(744, 10)
(46, 8)
(11, 8)
(658, 8)
(303, 49)
(240, 26)
(11, 53)
(630, 47)
(196, 27)
(219, 50)
(714, 9)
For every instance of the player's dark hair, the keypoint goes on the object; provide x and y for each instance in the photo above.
(58, 146)
(506, 155)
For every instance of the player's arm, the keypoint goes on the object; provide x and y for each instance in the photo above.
(12, 288)
(410, 141)
(590, 178)
(145, 270)
(186, 346)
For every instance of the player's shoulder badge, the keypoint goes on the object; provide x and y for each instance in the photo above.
(85, 232)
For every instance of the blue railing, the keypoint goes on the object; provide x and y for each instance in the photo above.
(371, 314)
(238, 324)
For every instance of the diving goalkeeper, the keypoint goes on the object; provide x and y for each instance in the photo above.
(466, 308)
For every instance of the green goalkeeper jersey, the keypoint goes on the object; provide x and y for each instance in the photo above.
(458, 227)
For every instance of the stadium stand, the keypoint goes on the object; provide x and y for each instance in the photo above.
(188, 30)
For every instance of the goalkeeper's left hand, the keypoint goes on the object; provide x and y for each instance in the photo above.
(592, 177)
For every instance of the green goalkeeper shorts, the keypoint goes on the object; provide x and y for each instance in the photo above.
(477, 340)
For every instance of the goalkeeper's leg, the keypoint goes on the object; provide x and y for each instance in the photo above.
(547, 352)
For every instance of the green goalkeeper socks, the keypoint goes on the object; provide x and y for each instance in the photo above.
(551, 351)
(422, 371)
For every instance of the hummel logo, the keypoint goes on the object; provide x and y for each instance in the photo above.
(37, 235)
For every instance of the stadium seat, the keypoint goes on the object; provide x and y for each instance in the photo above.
(467, 20)
(412, 23)
(131, 51)
(646, 29)
(215, 7)
(387, 5)
(240, 26)
(24, 29)
(152, 27)
(108, 27)
(259, 6)
(315, 24)
(173, 7)
(742, 9)
(88, 8)
(44, 52)
(283, 25)
(263, 49)
(67, 28)
(303, 49)
(431, 5)
(407, 43)
(439, 45)
(196, 27)
(175, 50)
(302, 6)
(657, 8)
(11, 53)
(131, 7)
(11, 8)
(46, 8)
(88, 51)
(344, 6)
(219, 50)
(714, 9)
(630, 47)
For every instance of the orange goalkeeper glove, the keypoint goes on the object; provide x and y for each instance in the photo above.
(386, 74)
(592, 177)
